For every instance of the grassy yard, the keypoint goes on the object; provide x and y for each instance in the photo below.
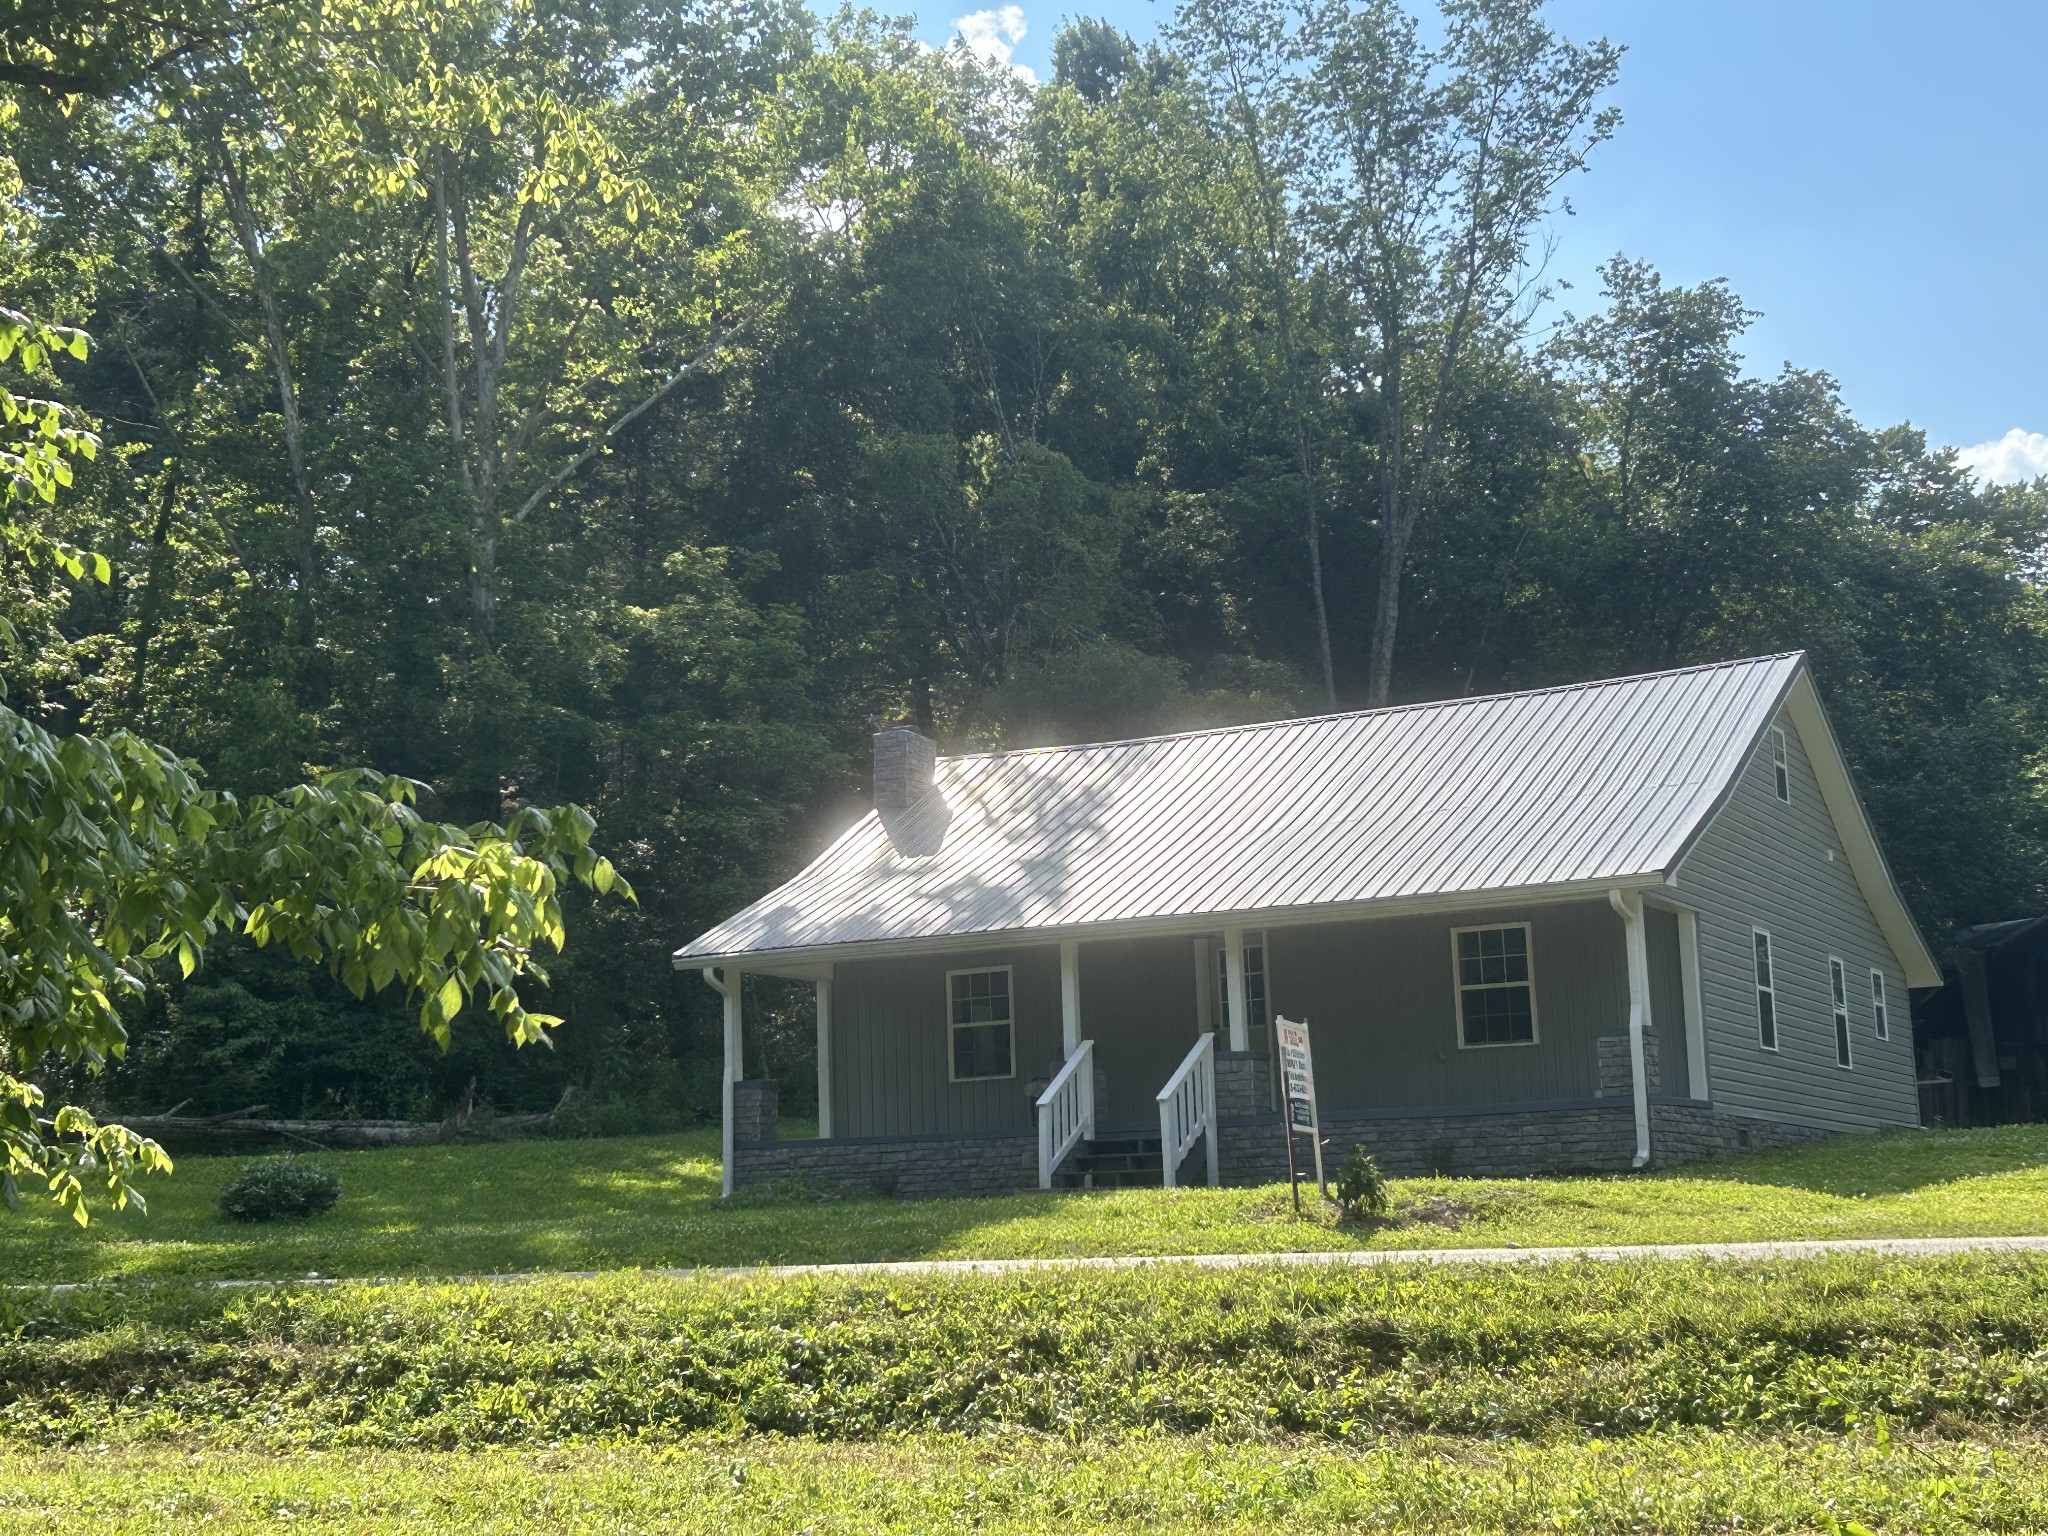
(1677, 1482)
(653, 1202)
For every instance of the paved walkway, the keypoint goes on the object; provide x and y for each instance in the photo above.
(1904, 1247)
(1900, 1247)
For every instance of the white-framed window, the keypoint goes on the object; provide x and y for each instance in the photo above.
(1880, 1013)
(1766, 991)
(1781, 765)
(1838, 994)
(1496, 981)
(1257, 1012)
(980, 1040)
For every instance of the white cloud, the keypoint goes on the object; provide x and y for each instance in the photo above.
(2016, 457)
(994, 35)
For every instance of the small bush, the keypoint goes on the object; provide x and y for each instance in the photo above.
(1361, 1187)
(278, 1186)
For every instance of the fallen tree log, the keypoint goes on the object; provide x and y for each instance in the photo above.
(247, 1126)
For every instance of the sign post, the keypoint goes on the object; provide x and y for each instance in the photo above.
(1298, 1075)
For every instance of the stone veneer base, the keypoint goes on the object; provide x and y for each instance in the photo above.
(1508, 1143)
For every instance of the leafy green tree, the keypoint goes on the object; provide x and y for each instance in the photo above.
(116, 857)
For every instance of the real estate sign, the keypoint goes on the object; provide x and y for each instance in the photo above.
(1298, 1075)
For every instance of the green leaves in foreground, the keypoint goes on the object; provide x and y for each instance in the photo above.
(113, 856)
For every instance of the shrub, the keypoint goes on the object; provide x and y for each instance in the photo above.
(278, 1186)
(1361, 1187)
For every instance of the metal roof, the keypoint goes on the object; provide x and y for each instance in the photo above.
(1593, 783)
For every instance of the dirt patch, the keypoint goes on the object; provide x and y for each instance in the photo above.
(1437, 1211)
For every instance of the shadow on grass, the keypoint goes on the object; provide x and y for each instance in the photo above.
(1889, 1162)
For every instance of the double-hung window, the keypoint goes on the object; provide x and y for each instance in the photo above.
(1496, 987)
(1881, 1015)
(979, 1022)
(1781, 765)
(1838, 994)
(1766, 993)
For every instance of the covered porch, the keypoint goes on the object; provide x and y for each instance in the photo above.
(1441, 1031)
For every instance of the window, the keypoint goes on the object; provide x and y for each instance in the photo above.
(978, 1016)
(1781, 765)
(1838, 990)
(1878, 1012)
(1496, 992)
(1254, 989)
(1766, 994)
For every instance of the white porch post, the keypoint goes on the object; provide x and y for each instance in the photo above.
(1695, 1011)
(1630, 906)
(1070, 999)
(1233, 989)
(824, 1011)
(729, 987)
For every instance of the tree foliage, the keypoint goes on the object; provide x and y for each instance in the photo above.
(633, 403)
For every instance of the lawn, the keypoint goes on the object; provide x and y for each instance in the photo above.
(653, 1202)
(1709, 1481)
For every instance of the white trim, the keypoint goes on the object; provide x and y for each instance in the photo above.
(1880, 1005)
(1852, 825)
(824, 1012)
(1195, 925)
(1694, 1000)
(1838, 1014)
(1070, 1002)
(1781, 766)
(1235, 1008)
(1459, 987)
(1763, 989)
(952, 1056)
(728, 987)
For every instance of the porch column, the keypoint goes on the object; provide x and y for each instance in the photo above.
(1233, 989)
(1695, 1011)
(1630, 907)
(729, 986)
(1070, 998)
(824, 1011)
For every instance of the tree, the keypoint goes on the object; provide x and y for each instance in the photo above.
(116, 857)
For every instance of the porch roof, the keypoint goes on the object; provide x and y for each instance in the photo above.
(1596, 783)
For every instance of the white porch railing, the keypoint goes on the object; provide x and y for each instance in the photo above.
(1066, 1111)
(1187, 1109)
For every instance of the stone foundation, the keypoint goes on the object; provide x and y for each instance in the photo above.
(1617, 1074)
(1592, 1136)
(1589, 1137)
(915, 1167)
(756, 1110)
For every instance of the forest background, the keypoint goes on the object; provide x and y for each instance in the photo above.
(636, 404)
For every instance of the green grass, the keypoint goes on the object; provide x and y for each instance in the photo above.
(1337, 1353)
(653, 1202)
(1690, 1482)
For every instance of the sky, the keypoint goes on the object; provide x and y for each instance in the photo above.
(1871, 175)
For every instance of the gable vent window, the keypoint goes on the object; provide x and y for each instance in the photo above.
(979, 1024)
(1766, 994)
(1781, 765)
(1838, 990)
(1879, 1013)
(1496, 988)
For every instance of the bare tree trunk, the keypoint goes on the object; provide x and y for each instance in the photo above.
(1270, 217)
(287, 391)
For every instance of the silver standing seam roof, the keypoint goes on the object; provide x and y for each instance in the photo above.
(1595, 783)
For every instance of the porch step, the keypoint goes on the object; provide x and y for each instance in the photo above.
(1130, 1162)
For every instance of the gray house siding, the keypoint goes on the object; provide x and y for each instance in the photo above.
(889, 1042)
(1764, 863)
(1138, 1006)
(1667, 999)
(1381, 1006)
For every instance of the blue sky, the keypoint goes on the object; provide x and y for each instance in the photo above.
(1870, 174)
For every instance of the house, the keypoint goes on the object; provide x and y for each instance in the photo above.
(1604, 926)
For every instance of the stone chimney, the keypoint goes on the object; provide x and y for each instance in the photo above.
(914, 813)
